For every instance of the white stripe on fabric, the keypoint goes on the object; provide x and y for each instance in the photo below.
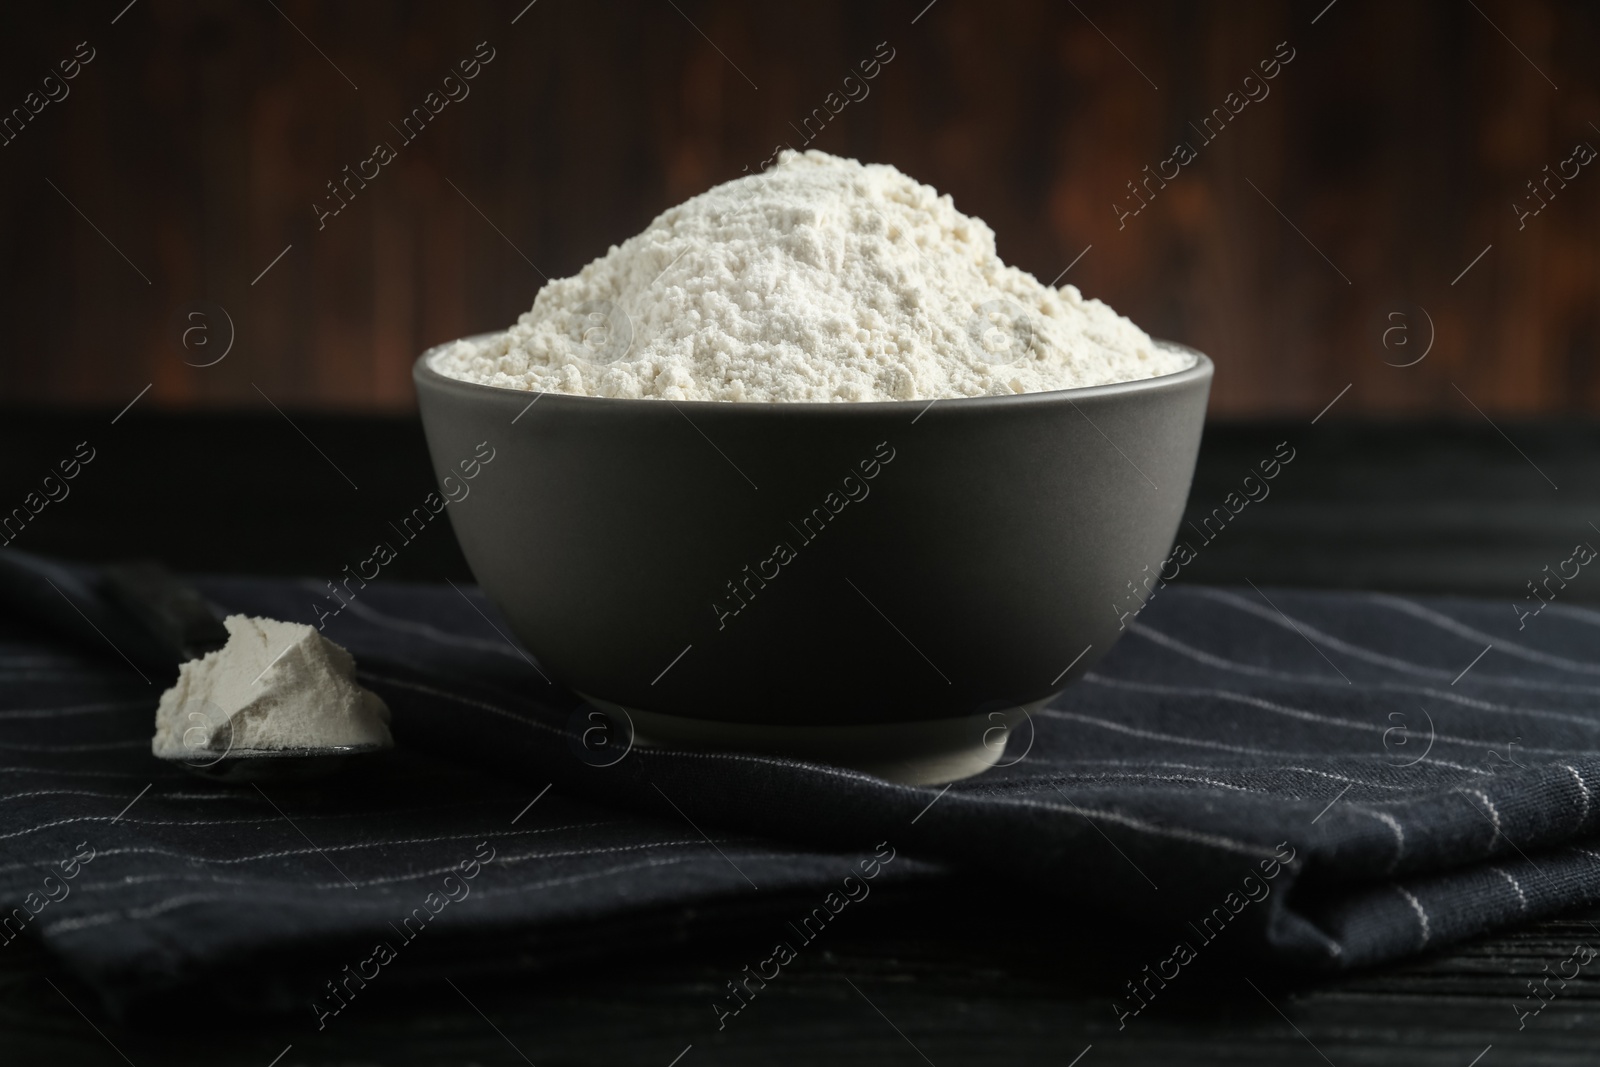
(1140, 825)
(1305, 629)
(101, 918)
(1493, 813)
(138, 850)
(1252, 770)
(248, 820)
(79, 709)
(1152, 735)
(1579, 614)
(1234, 666)
(1345, 778)
(1306, 716)
(91, 746)
(1083, 776)
(1406, 666)
(1583, 793)
(1510, 648)
(1201, 743)
(1095, 678)
(409, 876)
(115, 796)
(1590, 721)
(1160, 831)
(71, 772)
(1394, 826)
(1522, 898)
(1416, 906)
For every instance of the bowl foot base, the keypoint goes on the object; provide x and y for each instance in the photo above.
(927, 752)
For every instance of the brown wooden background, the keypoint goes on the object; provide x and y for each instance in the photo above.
(1397, 141)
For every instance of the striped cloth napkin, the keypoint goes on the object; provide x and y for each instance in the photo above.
(1327, 779)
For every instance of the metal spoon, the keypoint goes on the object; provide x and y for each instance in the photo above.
(242, 766)
(178, 616)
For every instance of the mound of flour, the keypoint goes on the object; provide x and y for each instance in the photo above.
(273, 685)
(819, 279)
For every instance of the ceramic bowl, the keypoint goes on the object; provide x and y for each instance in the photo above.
(815, 564)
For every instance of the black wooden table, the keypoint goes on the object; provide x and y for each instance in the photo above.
(1466, 508)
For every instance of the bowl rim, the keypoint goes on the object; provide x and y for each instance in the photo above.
(423, 372)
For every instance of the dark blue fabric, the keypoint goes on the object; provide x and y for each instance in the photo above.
(1310, 776)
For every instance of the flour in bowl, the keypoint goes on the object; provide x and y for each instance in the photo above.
(819, 279)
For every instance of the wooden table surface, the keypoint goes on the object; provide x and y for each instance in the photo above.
(977, 977)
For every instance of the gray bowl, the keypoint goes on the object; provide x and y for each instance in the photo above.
(816, 564)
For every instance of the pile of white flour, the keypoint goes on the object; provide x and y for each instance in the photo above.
(819, 279)
(273, 685)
